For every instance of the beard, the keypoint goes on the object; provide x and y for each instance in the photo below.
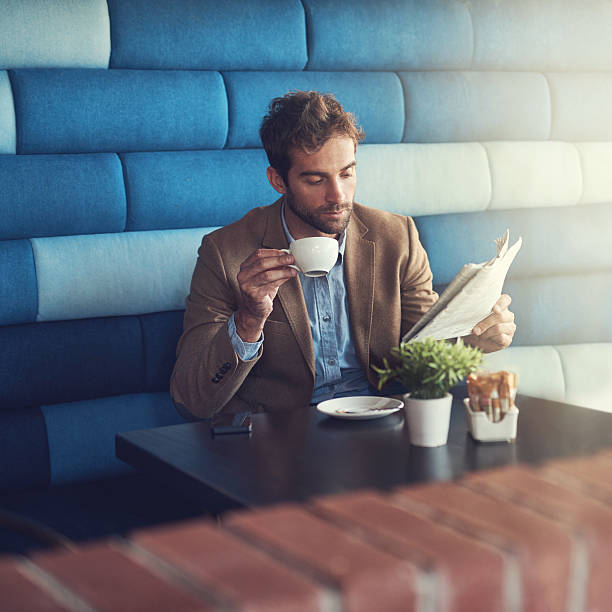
(316, 219)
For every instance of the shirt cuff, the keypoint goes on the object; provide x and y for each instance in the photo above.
(245, 350)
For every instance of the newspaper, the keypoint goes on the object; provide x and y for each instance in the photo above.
(469, 298)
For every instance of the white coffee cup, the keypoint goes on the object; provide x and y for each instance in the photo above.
(314, 256)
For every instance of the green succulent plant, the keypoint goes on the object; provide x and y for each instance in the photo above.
(429, 368)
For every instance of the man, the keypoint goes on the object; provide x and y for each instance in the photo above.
(260, 336)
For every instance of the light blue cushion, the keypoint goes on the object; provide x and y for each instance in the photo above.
(207, 34)
(81, 111)
(48, 195)
(114, 274)
(194, 188)
(62, 33)
(563, 309)
(408, 35)
(18, 291)
(572, 239)
(365, 94)
(579, 116)
(535, 35)
(7, 115)
(82, 434)
(451, 106)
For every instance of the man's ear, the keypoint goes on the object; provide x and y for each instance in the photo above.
(276, 180)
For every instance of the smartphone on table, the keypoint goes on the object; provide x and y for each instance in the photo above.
(239, 422)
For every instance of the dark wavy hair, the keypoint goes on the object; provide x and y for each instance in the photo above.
(306, 120)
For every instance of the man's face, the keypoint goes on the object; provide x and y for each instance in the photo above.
(320, 188)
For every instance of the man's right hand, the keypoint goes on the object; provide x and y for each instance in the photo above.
(260, 276)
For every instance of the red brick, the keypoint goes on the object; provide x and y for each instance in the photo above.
(590, 518)
(542, 548)
(367, 578)
(19, 594)
(470, 574)
(588, 474)
(108, 579)
(235, 570)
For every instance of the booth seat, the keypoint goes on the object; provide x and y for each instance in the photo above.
(128, 130)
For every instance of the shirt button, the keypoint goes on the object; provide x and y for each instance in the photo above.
(331, 361)
(326, 318)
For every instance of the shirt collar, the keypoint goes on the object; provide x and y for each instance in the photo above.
(290, 238)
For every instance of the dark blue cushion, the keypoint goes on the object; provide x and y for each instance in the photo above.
(82, 434)
(18, 291)
(24, 451)
(160, 332)
(194, 188)
(376, 99)
(59, 195)
(391, 35)
(208, 34)
(565, 240)
(63, 361)
(82, 111)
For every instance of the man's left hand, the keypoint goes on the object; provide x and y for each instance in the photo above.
(497, 330)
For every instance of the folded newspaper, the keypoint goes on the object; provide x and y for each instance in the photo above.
(469, 298)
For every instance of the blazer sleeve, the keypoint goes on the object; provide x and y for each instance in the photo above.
(417, 294)
(208, 372)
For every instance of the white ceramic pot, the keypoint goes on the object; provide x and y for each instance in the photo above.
(428, 420)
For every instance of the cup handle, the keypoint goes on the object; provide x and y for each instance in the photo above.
(289, 253)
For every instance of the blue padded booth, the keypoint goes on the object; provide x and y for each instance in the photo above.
(130, 129)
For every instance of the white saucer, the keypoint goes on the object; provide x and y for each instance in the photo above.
(360, 407)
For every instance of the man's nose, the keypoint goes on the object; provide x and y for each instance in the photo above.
(335, 193)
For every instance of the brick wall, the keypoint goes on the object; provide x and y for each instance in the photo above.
(516, 538)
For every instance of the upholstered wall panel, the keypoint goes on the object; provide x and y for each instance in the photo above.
(496, 175)
(587, 374)
(572, 240)
(454, 106)
(577, 116)
(362, 93)
(565, 309)
(207, 34)
(23, 447)
(534, 174)
(7, 115)
(539, 369)
(82, 434)
(54, 33)
(596, 161)
(194, 188)
(114, 274)
(47, 195)
(18, 291)
(541, 35)
(70, 360)
(83, 111)
(160, 333)
(405, 178)
(417, 35)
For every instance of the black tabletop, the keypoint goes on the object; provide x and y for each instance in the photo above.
(297, 455)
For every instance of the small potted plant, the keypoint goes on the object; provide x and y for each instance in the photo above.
(428, 369)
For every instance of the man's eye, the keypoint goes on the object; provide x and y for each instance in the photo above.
(315, 181)
(347, 175)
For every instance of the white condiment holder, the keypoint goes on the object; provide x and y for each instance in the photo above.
(485, 430)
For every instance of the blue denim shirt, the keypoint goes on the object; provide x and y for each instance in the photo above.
(337, 369)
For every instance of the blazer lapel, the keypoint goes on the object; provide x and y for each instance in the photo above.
(290, 293)
(359, 276)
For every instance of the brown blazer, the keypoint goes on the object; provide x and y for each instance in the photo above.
(388, 284)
